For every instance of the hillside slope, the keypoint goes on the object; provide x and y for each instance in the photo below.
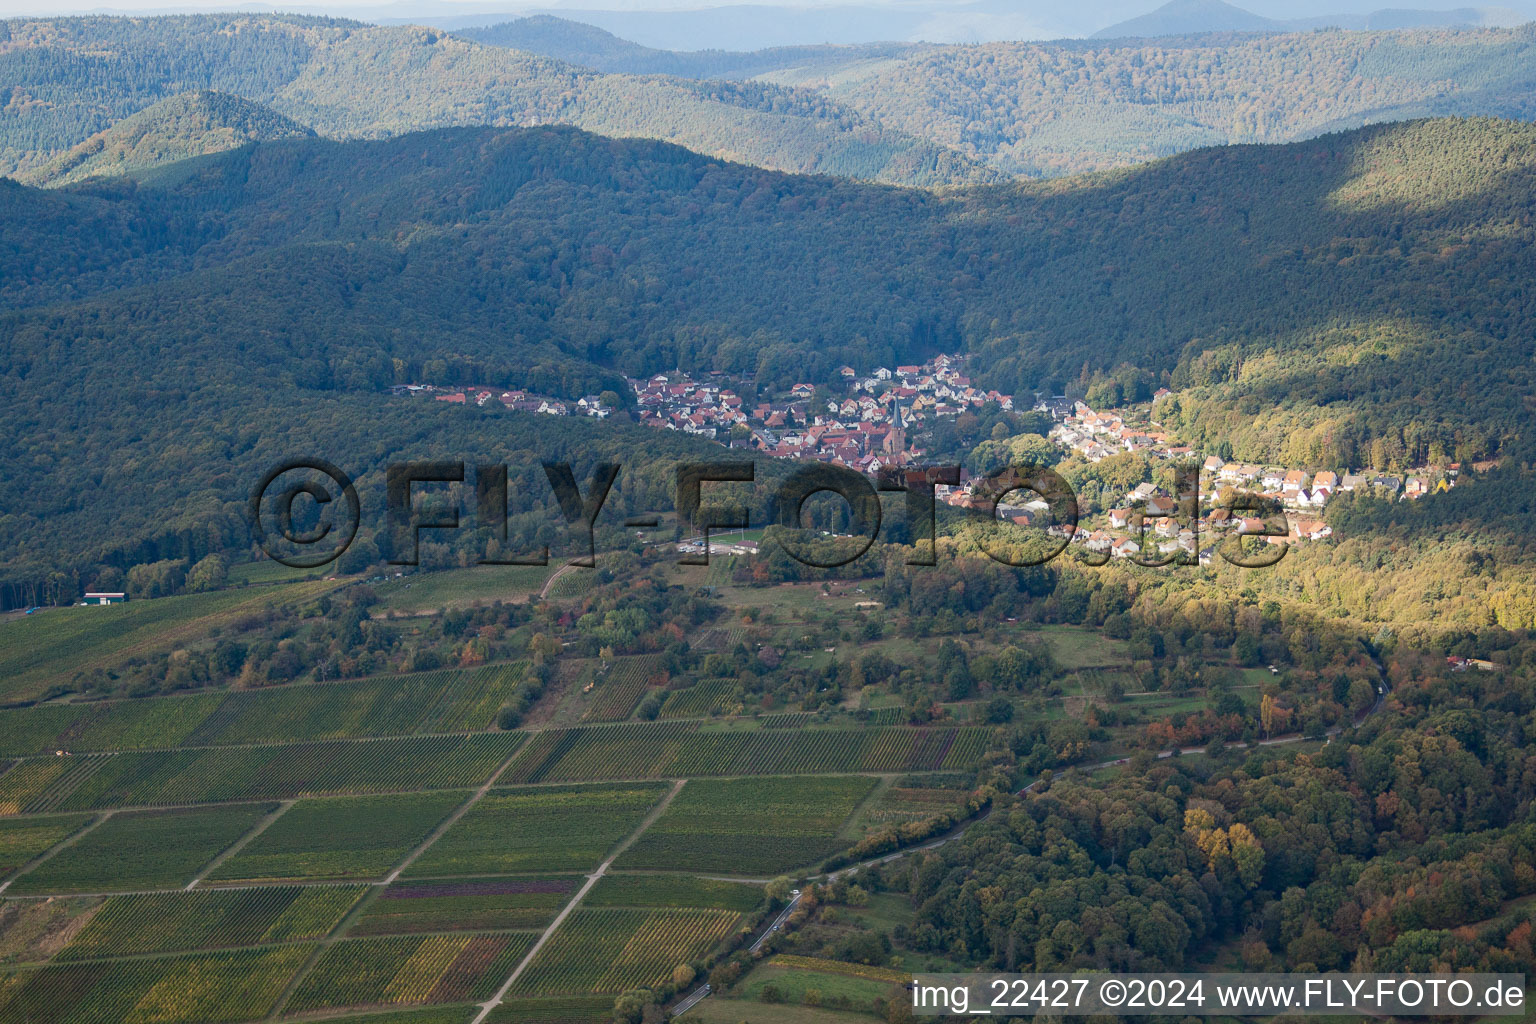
(75, 77)
(1053, 108)
(1376, 284)
(193, 124)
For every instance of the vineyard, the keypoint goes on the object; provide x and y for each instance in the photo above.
(538, 829)
(116, 725)
(170, 922)
(142, 850)
(218, 774)
(409, 971)
(569, 1010)
(750, 826)
(470, 904)
(448, 700)
(673, 891)
(680, 749)
(898, 806)
(197, 989)
(22, 839)
(706, 697)
(340, 837)
(613, 950)
(619, 685)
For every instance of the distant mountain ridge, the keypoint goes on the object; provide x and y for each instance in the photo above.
(76, 77)
(588, 46)
(1197, 17)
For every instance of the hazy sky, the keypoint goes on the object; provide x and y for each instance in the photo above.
(852, 20)
(1106, 9)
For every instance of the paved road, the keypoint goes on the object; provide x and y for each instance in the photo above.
(777, 923)
(692, 998)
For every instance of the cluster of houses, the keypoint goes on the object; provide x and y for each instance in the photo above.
(871, 423)
(868, 427)
(1301, 495)
(518, 399)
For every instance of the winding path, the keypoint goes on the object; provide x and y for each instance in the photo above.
(694, 997)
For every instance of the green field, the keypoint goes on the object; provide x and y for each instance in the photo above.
(168, 922)
(465, 904)
(565, 828)
(1074, 647)
(749, 826)
(23, 839)
(409, 970)
(205, 988)
(791, 985)
(715, 1010)
(142, 850)
(622, 890)
(340, 837)
(47, 649)
(613, 950)
(456, 588)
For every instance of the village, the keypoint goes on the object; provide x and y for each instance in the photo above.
(1299, 495)
(877, 420)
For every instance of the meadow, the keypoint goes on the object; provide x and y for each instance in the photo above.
(142, 850)
(340, 837)
(423, 593)
(754, 826)
(539, 829)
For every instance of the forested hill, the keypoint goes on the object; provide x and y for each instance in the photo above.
(71, 78)
(894, 113)
(593, 47)
(1053, 108)
(193, 124)
(1377, 283)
